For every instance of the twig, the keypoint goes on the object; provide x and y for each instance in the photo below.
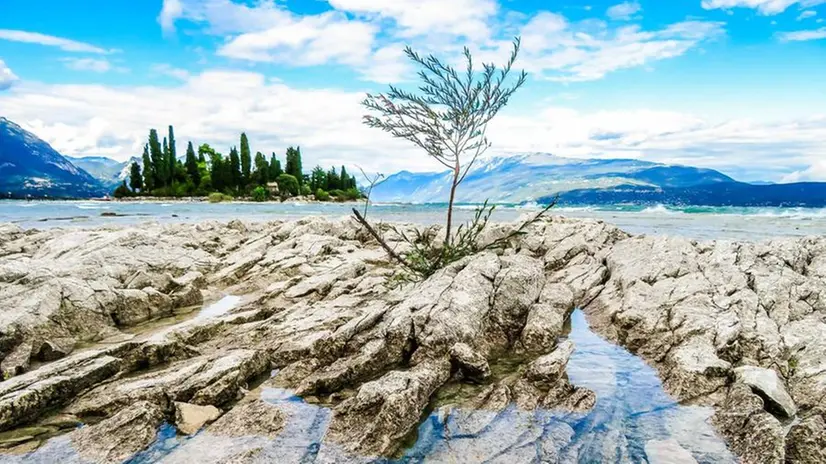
(381, 241)
(520, 230)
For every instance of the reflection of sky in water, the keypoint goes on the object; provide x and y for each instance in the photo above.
(631, 410)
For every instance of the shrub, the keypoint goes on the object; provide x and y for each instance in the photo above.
(287, 184)
(352, 194)
(260, 194)
(305, 190)
(218, 197)
(321, 195)
(122, 191)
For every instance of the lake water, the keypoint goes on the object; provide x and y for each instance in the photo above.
(694, 222)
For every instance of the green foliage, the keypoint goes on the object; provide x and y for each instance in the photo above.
(246, 162)
(122, 191)
(287, 185)
(293, 167)
(305, 190)
(148, 171)
(262, 170)
(135, 178)
(318, 179)
(275, 168)
(172, 155)
(218, 197)
(260, 194)
(192, 169)
(322, 195)
(352, 194)
(234, 169)
(338, 194)
(159, 168)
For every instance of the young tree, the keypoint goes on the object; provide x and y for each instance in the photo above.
(246, 161)
(192, 170)
(234, 169)
(148, 172)
(135, 178)
(158, 165)
(448, 118)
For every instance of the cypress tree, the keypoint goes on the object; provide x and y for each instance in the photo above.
(148, 173)
(158, 165)
(234, 169)
(275, 167)
(345, 180)
(293, 167)
(192, 165)
(318, 179)
(135, 178)
(246, 161)
(333, 180)
(173, 156)
(168, 168)
(217, 171)
(262, 169)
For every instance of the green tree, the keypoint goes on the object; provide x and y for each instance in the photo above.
(148, 172)
(234, 169)
(293, 167)
(275, 167)
(260, 194)
(333, 180)
(169, 168)
(345, 179)
(262, 169)
(205, 153)
(318, 179)
(172, 155)
(135, 178)
(217, 172)
(287, 184)
(246, 161)
(122, 191)
(158, 166)
(192, 170)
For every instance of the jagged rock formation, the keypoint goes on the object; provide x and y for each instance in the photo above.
(736, 326)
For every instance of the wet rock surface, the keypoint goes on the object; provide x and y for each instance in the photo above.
(740, 328)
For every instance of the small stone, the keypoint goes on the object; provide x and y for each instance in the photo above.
(191, 417)
(17, 362)
(56, 348)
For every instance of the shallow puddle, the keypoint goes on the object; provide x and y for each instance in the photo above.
(633, 418)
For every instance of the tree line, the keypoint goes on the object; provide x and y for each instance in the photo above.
(162, 174)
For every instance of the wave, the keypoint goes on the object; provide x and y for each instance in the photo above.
(91, 207)
(659, 209)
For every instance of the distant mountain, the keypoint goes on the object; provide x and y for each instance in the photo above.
(540, 177)
(30, 166)
(109, 172)
(528, 177)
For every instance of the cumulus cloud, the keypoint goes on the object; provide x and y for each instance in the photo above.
(368, 35)
(624, 11)
(50, 41)
(216, 106)
(7, 78)
(802, 36)
(764, 7)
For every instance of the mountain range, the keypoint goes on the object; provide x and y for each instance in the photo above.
(30, 166)
(541, 177)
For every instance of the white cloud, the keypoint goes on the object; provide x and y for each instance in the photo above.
(764, 7)
(468, 18)
(7, 78)
(50, 41)
(170, 12)
(91, 65)
(807, 14)
(216, 106)
(802, 36)
(171, 71)
(588, 50)
(624, 11)
(815, 172)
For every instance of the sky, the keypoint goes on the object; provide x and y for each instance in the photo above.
(735, 85)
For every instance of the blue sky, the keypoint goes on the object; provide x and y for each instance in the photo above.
(730, 84)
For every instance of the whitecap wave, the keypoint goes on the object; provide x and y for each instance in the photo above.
(659, 209)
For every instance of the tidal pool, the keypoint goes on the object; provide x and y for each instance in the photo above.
(634, 420)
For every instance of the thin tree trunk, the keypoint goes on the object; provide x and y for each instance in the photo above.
(450, 202)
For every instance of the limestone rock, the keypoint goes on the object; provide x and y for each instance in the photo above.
(189, 418)
(471, 364)
(119, 437)
(56, 348)
(755, 435)
(806, 441)
(254, 418)
(769, 386)
(17, 362)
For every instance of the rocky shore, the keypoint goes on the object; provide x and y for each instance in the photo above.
(324, 316)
